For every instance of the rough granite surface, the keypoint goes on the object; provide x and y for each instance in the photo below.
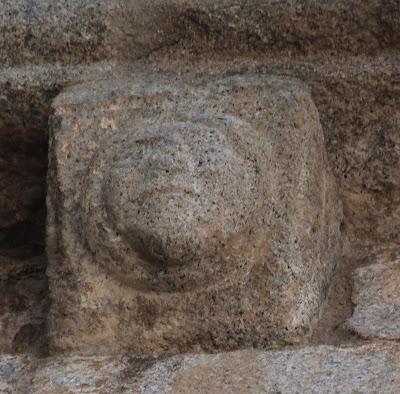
(344, 53)
(369, 368)
(14, 373)
(376, 296)
(70, 31)
(186, 216)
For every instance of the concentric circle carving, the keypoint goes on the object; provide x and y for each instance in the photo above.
(165, 205)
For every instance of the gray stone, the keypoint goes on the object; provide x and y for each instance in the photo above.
(346, 52)
(370, 368)
(190, 215)
(74, 32)
(14, 374)
(376, 296)
(155, 204)
(77, 374)
(23, 305)
(69, 31)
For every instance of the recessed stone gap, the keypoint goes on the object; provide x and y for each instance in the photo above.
(23, 282)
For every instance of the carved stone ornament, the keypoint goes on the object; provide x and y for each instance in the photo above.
(163, 205)
(188, 216)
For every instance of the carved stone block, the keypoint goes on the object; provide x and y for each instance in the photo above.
(185, 215)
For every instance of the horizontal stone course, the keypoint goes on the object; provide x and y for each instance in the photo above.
(80, 32)
(369, 368)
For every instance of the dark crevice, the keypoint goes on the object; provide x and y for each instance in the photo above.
(23, 281)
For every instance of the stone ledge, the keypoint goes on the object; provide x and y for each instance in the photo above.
(368, 368)
(72, 32)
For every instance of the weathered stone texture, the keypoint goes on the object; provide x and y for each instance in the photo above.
(376, 296)
(139, 258)
(23, 304)
(23, 167)
(186, 216)
(370, 368)
(25, 106)
(14, 374)
(69, 31)
(358, 101)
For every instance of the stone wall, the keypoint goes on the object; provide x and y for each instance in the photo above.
(73, 73)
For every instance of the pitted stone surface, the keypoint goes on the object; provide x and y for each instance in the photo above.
(370, 368)
(71, 31)
(160, 201)
(189, 215)
(77, 374)
(14, 373)
(113, 270)
(376, 295)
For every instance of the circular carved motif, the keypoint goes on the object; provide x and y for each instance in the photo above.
(163, 206)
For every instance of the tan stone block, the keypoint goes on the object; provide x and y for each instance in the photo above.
(196, 214)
